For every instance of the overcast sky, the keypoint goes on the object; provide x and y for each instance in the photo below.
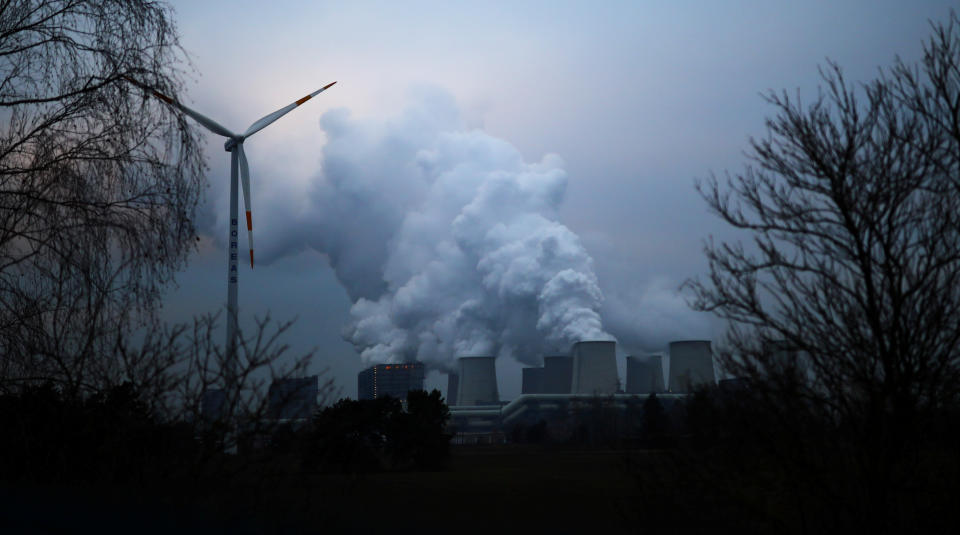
(608, 111)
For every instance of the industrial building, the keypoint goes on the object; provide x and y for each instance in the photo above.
(569, 386)
(393, 380)
(293, 399)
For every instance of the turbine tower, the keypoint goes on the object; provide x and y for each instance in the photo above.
(238, 162)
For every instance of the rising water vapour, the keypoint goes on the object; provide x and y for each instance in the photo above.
(446, 241)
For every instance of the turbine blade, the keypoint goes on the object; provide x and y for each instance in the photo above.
(207, 122)
(264, 121)
(245, 181)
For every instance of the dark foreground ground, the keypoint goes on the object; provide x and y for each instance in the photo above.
(504, 489)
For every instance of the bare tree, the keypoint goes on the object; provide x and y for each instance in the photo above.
(98, 184)
(853, 205)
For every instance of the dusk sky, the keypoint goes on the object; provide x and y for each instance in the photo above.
(411, 203)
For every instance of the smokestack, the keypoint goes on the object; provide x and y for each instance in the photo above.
(478, 381)
(644, 374)
(595, 368)
(691, 364)
(532, 381)
(557, 374)
(453, 384)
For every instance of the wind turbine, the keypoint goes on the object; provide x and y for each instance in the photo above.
(238, 161)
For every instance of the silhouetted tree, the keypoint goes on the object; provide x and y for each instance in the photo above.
(847, 303)
(109, 438)
(98, 185)
(426, 429)
(653, 421)
(351, 435)
(378, 434)
(132, 431)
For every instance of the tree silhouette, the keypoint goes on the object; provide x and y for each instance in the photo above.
(846, 305)
(98, 185)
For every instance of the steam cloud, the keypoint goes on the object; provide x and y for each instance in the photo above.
(446, 241)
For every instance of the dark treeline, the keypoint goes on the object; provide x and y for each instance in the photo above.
(644, 422)
(114, 437)
(756, 457)
(843, 307)
(115, 452)
(360, 436)
(107, 438)
(759, 460)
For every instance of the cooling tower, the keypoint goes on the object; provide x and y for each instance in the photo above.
(557, 374)
(453, 384)
(532, 381)
(478, 381)
(644, 374)
(691, 364)
(594, 368)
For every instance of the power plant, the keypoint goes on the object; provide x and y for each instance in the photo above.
(572, 384)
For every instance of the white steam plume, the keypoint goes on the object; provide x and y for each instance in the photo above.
(446, 241)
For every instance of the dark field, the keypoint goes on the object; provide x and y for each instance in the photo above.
(500, 489)
(495, 489)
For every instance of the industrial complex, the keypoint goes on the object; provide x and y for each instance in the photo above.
(564, 385)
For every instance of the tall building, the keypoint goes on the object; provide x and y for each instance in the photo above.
(293, 398)
(393, 380)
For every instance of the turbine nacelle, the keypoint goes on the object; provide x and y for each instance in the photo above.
(234, 144)
(231, 143)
